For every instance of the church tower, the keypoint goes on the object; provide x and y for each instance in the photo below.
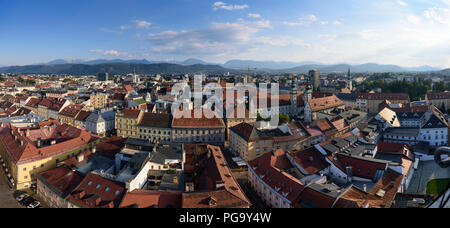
(306, 98)
(294, 102)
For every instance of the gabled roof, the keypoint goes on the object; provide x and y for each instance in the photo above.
(311, 160)
(97, 192)
(271, 168)
(244, 130)
(61, 180)
(361, 166)
(319, 104)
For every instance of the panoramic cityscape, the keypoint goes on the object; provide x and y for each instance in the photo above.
(234, 104)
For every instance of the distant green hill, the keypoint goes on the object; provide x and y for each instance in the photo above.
(114, 68)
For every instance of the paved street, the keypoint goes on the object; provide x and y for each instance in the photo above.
(426, 171)
(6, 195)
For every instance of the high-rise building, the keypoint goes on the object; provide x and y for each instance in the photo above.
(314, 76)
(102, 77)
(350, 82)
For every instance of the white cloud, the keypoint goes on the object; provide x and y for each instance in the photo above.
(225, 6)
(402, 3)
(254, 15)
(110, 53)
(309, 20)
(137, 24)
(440, 15)
(414, 19)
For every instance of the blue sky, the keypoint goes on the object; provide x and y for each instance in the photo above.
(407, 33)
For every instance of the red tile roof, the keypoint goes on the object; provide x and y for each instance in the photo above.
(193, 122)
(319, 104)
(151, 199)
(97, 192)
(24, 149)
(131, 112)
(311, 160)
(62, 179)
(270, 167)
(361, 167)
(244, 130)
(382, 195)
(319, 200)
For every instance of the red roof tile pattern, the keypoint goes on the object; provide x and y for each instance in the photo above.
(23, 149)
(151, 199)
(311, 160)
(269, 167)
(324, 103)
(381, 195)
(97, 192)
(203, 122)
(361, 167)
(62, 179)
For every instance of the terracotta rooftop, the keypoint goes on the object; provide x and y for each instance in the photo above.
(271, 168)
(131, 112)
(244, 130)
(71, 110)
(24, 149)
(311, 160)
(33, 102)
(157, 120)
(62, 179)
(319, 104)
(97, 192)
(381, 195)
(203, 122)
(83, 115)
(151, 199)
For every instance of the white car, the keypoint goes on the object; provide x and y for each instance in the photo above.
(34, 204)
(22, 197)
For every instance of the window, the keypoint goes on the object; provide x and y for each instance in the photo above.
(117, 192)
(90, 183)
(98, 186)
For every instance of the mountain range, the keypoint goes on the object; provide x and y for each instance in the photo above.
(143, 66)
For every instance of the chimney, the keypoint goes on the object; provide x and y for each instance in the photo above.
(365, 187)
(39, 143)
(80, 157)
(190, 187)
(28, 133)
(220, 184)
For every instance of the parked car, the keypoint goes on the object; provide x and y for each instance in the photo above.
(22, 197)
(35, 204)
(28, 201)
